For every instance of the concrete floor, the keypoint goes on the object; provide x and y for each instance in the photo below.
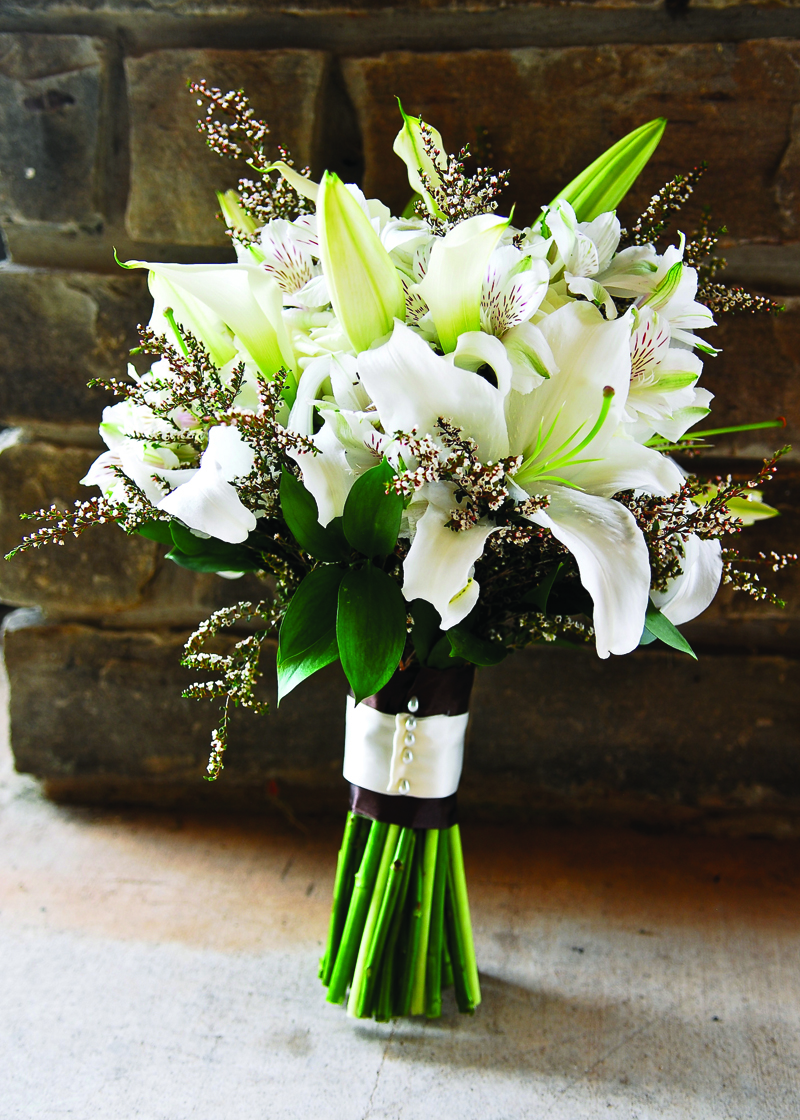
(164, 967)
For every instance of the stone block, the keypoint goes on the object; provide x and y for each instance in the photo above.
(756, 377)
(50, 162)
(105, 575)
(546, 113)
(102, 571)
(58, 330)
(653, 738)
(173, 174)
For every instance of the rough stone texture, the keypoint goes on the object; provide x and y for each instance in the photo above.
(548, 113)
(173, 175)
(50, 89)
(161, 966)
(100, 571)
(656, 738)
(58, 330)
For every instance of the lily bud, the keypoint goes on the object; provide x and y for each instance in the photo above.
(236, 218)
(604, 183)
(453, 284)
(365, 288)
(408, 145)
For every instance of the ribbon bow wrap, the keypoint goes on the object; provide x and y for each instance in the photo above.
(404, 747)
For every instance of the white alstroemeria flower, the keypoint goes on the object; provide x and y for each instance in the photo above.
(568, 430)
(692, 591)
(513, 289)
(662, 397)
(585, 248)
(285, 252)
(673, 288)
(208, 502)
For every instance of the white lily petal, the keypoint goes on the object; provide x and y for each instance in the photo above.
(612, 560)
(531, 358)
(228, 450)
(453, 284)
(626, 465)
(326, 475)
(692, 591)
(476, 349)
(412, 387)
(192, 315)
(440, 562)
(309, 390)
(210, 504)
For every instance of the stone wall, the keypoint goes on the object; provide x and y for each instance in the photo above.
(98, 151)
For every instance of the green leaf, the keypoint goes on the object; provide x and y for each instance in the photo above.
(218, 557)
(441, 656)
(426, 631)
(478, 651)
(660, 627)
(539, 595)
(188, 542)
(301, 515)
(156, 531)
(371, 519)
(307, 638)
(370, 627)
(604, 183)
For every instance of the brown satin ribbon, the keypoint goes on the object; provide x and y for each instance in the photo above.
(440, 692)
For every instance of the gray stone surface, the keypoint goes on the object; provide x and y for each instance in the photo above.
(58, 330)
(653, 738)
(159, 966)
(50, 89)
(547, 113)
(173, 175)
(100, 571)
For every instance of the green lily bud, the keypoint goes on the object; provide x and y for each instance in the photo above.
(604, 183)
(365, 288)
(236, 218)
(408, 145)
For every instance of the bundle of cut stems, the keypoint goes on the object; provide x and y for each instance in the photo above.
(400, 930)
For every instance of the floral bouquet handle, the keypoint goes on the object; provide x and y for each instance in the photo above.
(400, 929)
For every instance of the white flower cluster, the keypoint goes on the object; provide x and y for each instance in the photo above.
(547, 344)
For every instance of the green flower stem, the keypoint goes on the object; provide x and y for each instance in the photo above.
(455, 942)
(433, 966)
(342, 889)
(412, 929)
(428, 877)
(361, 975)
(357, 913)
(375, 951)
(461, 910)
(447, 964)
(384, 1008)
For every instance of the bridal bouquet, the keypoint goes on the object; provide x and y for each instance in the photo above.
(442, 438)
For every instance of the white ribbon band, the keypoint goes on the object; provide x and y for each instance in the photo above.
(403, 754)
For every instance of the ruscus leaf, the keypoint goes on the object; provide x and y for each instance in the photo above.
(300, 514)
(371, 518)
(660, 627)
(370, 628)
(307, 638)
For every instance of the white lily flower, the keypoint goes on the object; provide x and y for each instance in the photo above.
(243, 297)
(412, 387)
(453, 283)
(327, 474)
(440, 563)
(208, 502)
(692, 591)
